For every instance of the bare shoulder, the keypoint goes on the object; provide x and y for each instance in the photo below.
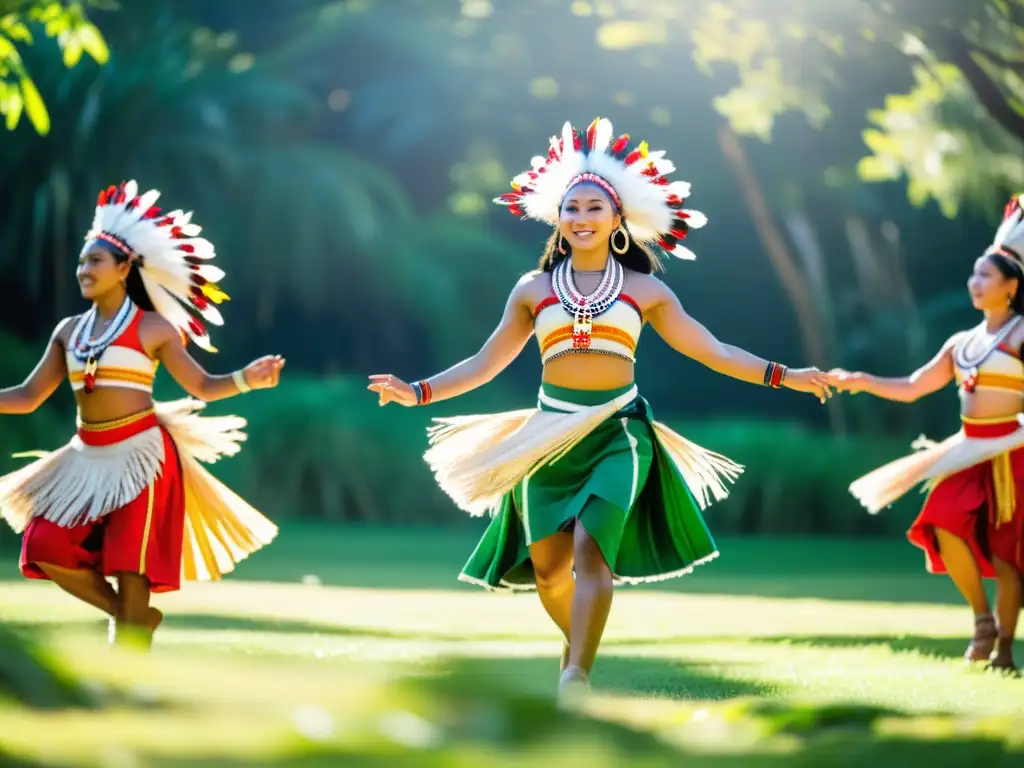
(1016, 338)
(155, 330)
(646, 289)
(62, 331)
(955, 339)
(533, 287)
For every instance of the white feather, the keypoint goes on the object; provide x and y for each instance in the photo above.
(695, 219)
(602, 135)
(645, 205)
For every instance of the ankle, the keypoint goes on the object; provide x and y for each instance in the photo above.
(574, 672)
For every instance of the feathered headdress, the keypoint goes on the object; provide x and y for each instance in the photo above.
(174, 263)
(635, 178)
(1009, 239)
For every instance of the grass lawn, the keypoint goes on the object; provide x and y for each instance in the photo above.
(343, 646)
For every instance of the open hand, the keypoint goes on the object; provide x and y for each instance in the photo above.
(264, 373)
(392, 389)
(809, 380)
(846, 381)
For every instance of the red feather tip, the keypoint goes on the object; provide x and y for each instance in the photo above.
(592, 133)
(620, 143)
(678, 234)
(661, 181)
(666, 245)
(632, 157)
(199, 301)
(186, 248)
(198, 279)
(674, 200)
(152, 213)
(196, 327)
(1011, 207)
(577, 140)
(515, 210)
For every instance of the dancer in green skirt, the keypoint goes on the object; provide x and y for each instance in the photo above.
(586, 490)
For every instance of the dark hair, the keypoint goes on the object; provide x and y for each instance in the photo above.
(1011, 269)
(133, 283)
(637, 257)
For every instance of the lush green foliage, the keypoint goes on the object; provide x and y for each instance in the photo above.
(955, 134)
(66, 23)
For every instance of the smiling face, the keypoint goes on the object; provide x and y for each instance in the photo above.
(588, 217)
(990, 289)
(99, 272)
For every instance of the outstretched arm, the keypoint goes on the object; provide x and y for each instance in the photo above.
(929, 378)
(687, 336)
(41, 383)
(167, 346)
(503, 346)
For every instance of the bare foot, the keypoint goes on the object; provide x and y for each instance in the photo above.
(984, 641)
(573, 688)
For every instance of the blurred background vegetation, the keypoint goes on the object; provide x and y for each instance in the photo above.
(852, 157)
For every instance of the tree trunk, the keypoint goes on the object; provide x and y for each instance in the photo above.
(815, 345)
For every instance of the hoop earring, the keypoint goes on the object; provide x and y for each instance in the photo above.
(611, 240)
(561, 244)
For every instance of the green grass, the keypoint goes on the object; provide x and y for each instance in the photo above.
(356, 646)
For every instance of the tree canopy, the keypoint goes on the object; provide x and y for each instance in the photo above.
(957, 132)
(65, 22)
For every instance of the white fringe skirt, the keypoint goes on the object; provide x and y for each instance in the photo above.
(81, 483)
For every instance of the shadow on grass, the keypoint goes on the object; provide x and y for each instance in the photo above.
(940, 647)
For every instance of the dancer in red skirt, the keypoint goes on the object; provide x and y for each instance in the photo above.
(972, 523)
(126, 498)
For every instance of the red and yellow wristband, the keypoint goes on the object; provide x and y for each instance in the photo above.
(774, 375)
(423, 392)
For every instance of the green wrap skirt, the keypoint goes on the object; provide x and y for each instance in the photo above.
(620, 481)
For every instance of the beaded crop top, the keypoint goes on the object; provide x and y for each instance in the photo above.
(998, 367)
(605, 322)
(116, 359)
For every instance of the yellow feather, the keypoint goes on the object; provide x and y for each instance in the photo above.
(213, 292)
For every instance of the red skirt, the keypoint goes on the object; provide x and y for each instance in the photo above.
(145, 536)
(964, 505)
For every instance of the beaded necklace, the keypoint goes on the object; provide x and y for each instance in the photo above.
(88, 350)
(971, 364)
(584, 308)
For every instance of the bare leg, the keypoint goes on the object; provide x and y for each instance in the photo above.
(591, 603)
(552, 567)
(86, 584)
(136, 613)
(966, 575)
(1008, 603)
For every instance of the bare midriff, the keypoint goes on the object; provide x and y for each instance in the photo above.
(990, 404)
(110, 403)
(589, 371)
